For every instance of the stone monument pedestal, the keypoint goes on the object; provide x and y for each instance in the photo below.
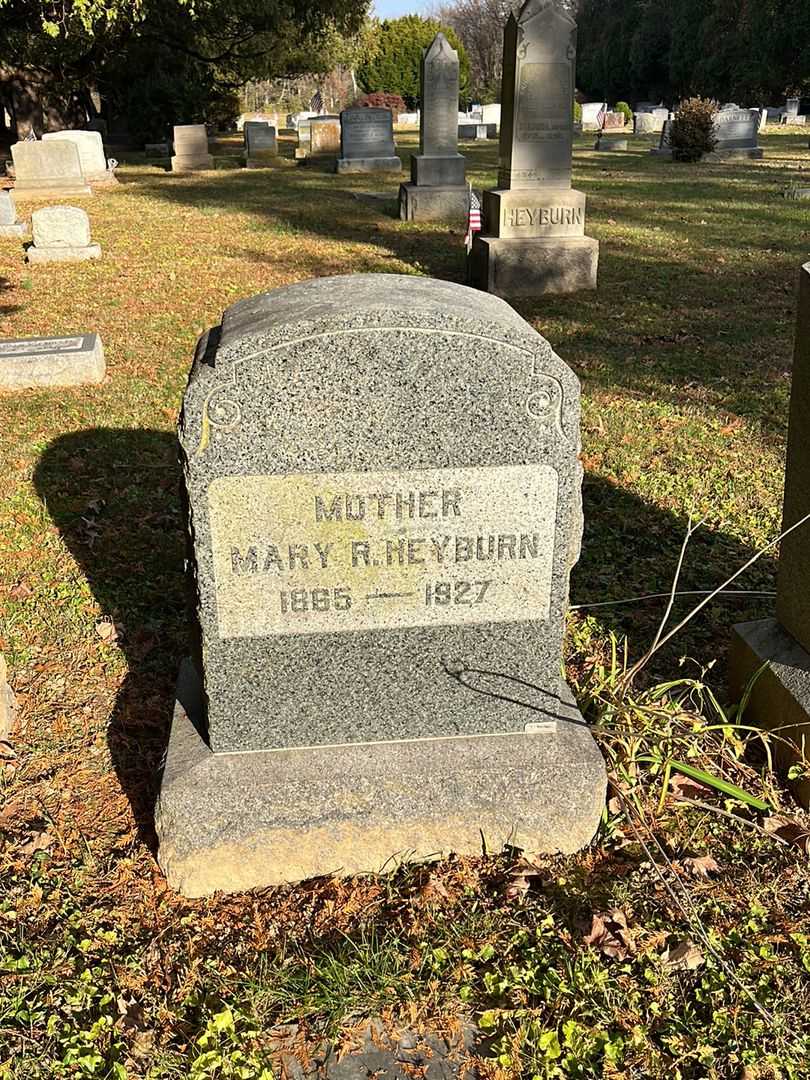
(238, 821)
(533, 267)
(780, 697)
(368, 165)
(533, 242)
(192, 164)
(437, 191)
(61, 234)
(433, 204)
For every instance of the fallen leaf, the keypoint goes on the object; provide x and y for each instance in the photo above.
(684, 957)
(108, 631)
(20, 591)
(789, 830)
(609, 934)
(684, 787)
(40, 842)
(701, 866)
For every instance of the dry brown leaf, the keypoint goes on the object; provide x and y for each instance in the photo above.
(20, 591)
(789, 830)
(684, 787)
(39, 842)
(108, 631)
(609, 934)
(701, 866)
(684, 957)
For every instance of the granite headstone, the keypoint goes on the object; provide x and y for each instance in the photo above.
(736, 132)
(367, 141)
(48, 169)
(533, 239)
(61, 234)
(780, 695)
(9, 225)
(324, 137)
(437, 191)
(91, 154)
(383, 488)
(261, 146)
(191, 148)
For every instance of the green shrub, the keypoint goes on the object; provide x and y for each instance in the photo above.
(692, 132)
(577, 113)
(625, 110)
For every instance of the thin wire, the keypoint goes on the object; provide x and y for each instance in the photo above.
(666, 595)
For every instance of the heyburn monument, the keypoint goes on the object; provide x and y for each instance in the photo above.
(533, 238)
(383, 493)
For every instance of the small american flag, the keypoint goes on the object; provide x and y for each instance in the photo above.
(316, 102)
(600, 116)
(473, 219)
(30, 136)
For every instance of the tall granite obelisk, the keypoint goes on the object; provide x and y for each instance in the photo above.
(437, 191)
(533, 239)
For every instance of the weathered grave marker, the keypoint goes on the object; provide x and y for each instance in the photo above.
(324, 137)
(91, 154)
(51, 361)
(61, 234)
(383, 479)
(736, 131)
(261, 147)
(437, 191)
(533, 239)
(48, 168)
(780, 697)
(191, 148)
(9, 225)
(367, 142)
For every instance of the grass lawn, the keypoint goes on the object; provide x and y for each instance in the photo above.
(678, 945)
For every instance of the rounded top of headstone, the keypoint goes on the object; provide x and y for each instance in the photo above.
(371, 299)
(69, 215)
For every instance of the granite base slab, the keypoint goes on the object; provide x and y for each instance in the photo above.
(50, 189)
(780, 697)
(418, 203)
(62, 254)
(192, 164)
(235, 821)
(665, 155)
(733, 153)
(18, 229)
(368, 165)
(533, 267)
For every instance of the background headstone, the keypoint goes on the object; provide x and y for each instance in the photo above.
(533, 239)
(48, 168)
(9, 225)
(191, 148)
(367, 141)
(61, 234)
(51, 361)
(780, 697)
(590, 114)
(437, 191)
(324, 137)
(736, 131)
(91, 154)
(261, 146)
(383, 477)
